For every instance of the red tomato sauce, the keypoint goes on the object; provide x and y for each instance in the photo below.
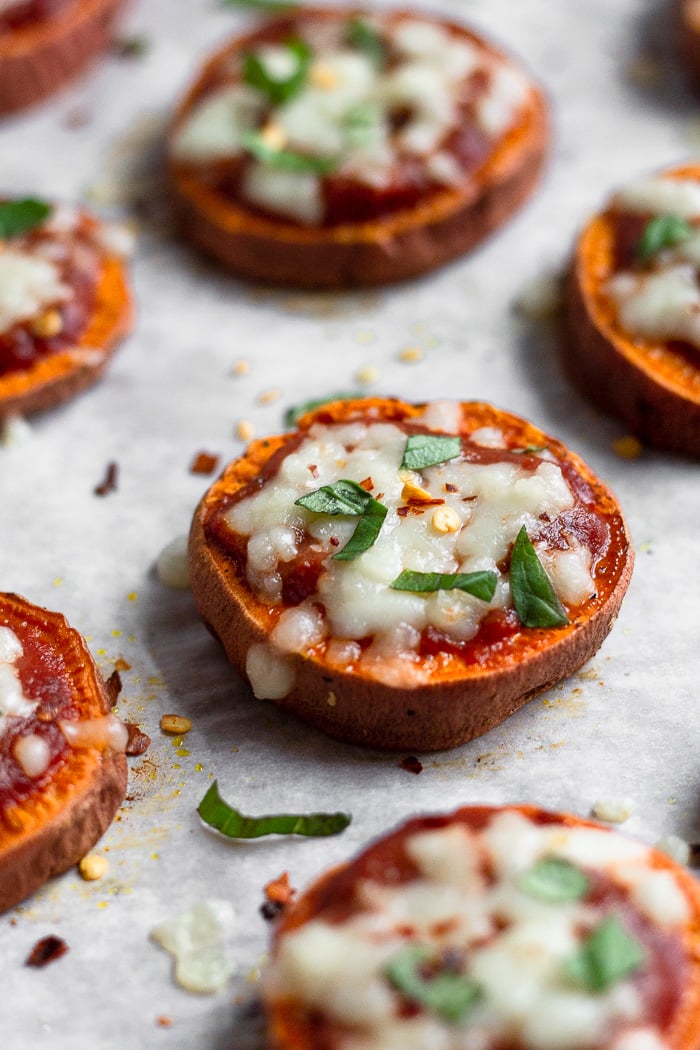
(25, 13)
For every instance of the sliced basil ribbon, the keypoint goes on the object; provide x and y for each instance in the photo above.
(555, 880)
(449, 996)
(608, 954)
(231, 822)
(283, 159)
(347, 497)
(20, 216)
(257, 74)
(663, 231)
(427, 450)
(294, 414)
(363, 37)
(479, 584)
(534, 598)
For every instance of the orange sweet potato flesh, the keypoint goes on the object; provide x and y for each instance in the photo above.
(49, 832)
(59, 376)
(291, 1028)
(394, 248)
(38, 59)
(652, 386)
(458, 701)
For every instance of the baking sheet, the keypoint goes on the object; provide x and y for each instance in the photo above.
(626, 725)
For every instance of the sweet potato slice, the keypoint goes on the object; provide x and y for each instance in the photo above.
(50, 818)
(652, 385)
(449, 692)
(305, 1007)
(441, 225)
(39, 57)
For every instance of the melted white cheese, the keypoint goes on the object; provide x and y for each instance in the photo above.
(33, 754)
(659, 196)
(515, 946)
(28, 286)
(13, 701)
(343, 113)
(490, 503)
(198, 939)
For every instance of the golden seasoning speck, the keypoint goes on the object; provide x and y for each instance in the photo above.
(177, 724)
(93, 867)
(267, 397)
(244, 430)
(411, 354)
(241, 367)
(367, 375)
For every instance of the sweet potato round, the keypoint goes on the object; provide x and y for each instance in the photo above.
(651, 386)
(38, 59)
(458, 702)
(398, 246)
(50, 831)
(59, 376)
(290, 1027)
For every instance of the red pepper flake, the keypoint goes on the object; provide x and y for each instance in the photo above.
(164, 1022)
(110, 481)
(450, 488)
(334, 541)
(138, 741)
(414, 501)
(380, 495)
(313, 470)
(367, 484)
(204, 463)
(113, 687)
(411, 764)
(121, 665)
(46, 951)
(279, 889)
(403, 512)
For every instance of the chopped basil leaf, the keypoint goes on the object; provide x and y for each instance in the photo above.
(533, 595)
(294, 414)
(427, 450)
(283, 159)
(555, 880)
(20, 216)
(347, 497)
(607, 955)
(528, 450)
(362, 124)
(257, 74)
(131, 46)
(368, 528)
(364, 38)
(230, 822)
(342, 497)
(664, 231)
(479, 584)
(448, 995)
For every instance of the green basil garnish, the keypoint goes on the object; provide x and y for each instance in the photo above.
(479, 584)
(347, 497)
(607, 955)
(284, 159)
(664, 231)
(261, 5)
(230, 822)
(427, 450)
(342, 497)
(362, 37)
(555, 880)
(534, 597)
(294, 414)
(362, 124)
(448, 995)
(257, 74)
(20, 216)
(528, 450)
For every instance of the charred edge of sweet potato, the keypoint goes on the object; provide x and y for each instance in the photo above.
(456, 704)
(291, 1028)
(60, 376)
(401, 246)
(39, 60)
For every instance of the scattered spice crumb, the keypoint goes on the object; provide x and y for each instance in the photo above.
(279, 890)
(135, 46)
(411, 764)
(138, 741)
(176, 724)
(204, 463)
(244, 430)
(46, 951)
(109, 484)
(164, 1022)
(113, 687)
(367, 375)
(120, 664)
(628, 447)
(411, 354)
(93, 867)
(241, 367)
(267, 397)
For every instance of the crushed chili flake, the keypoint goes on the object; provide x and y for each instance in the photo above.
(450, 488)
(367, 484)
(415, 501)
(334, 541)
(109, 484)
(313, 470)
(204, 463)
(279, 889)
(380, 495)
(164, 1022)
(46, 951)
(138, 741)
(120, 664)
(403, 512)
(411, 764)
